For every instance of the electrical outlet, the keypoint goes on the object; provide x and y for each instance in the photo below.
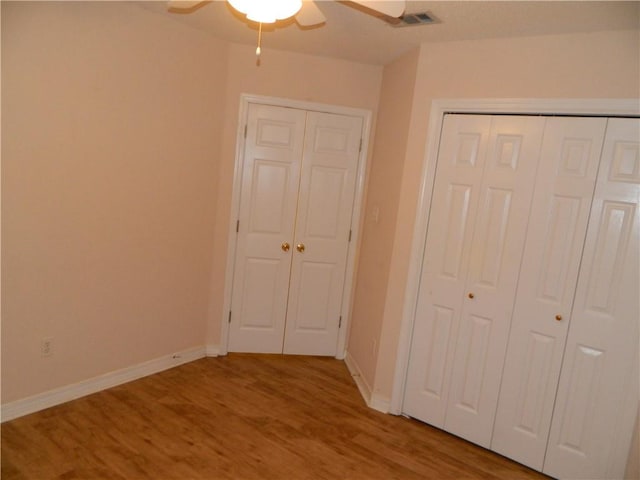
(46, 347)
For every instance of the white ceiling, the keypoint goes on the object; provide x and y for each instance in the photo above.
(351, 33)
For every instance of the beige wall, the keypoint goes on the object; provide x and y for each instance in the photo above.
(598, 65)
(118, 154)
(110, 139)
(286, 75)
(632, 471)
(383, 195)
(118, 151)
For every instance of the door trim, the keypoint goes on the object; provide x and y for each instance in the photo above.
(245, 101)
(439, 107)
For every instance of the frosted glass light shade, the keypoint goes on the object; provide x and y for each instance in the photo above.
(267, 11)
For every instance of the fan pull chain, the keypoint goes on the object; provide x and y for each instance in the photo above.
(259, 40)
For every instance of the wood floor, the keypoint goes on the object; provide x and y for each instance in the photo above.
(239, 417)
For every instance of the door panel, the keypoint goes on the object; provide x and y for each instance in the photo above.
(458, 203)
(475, 363)
(323, 222)
(546, 286)
(587, 366)
(271, 172)
(497, 223)
(268, 211)
(455, 196)
(493, 268)
(611, 247)
(439, 341)
(316, 280)
(258, 307)
(600, 368)
(536, 372)
(325, 199)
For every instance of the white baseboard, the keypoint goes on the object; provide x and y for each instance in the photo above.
(373, 400)
(380, 403)
(212, 351)
(38, 402)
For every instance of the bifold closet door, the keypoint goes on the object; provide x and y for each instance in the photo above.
(442, 284)
(546, 287)
(597, 398)
(296, 206)
(270, 179)
(494, 265)
(477, 229)
(561, 280)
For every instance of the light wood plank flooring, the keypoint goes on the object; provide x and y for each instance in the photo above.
(239, 417)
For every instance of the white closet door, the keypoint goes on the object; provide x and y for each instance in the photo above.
(270, 178)
(592, 425)
(494, 265)
(560, 211)
(323, 222)
(454, 205)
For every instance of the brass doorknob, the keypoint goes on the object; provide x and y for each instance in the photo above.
(471, 295)
(558, 317)
(300, 247)
(285, 246)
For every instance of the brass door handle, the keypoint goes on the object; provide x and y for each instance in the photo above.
(285, 246)
(300, 247)
(471, 295)
(558, 317)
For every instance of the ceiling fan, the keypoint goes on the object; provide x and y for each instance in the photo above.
(306, 12)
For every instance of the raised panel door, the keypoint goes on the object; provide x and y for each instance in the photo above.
(546, 287)
(597, 394)
(461, 160)
(496, 248)
(321, 240)
(270, 179)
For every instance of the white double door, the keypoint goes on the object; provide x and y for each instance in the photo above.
(525, 337)
(293, 233)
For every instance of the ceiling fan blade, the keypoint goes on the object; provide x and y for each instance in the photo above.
(392, 8)
(183, 4)
(310, 14)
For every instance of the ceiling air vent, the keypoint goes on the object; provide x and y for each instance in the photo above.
(412, 19)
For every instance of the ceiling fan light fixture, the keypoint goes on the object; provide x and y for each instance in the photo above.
(267, 11)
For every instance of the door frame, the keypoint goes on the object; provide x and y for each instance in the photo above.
(440, 107)
(356, 216)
